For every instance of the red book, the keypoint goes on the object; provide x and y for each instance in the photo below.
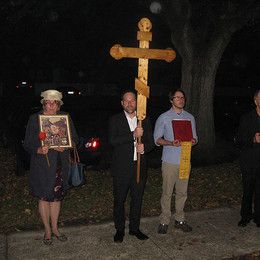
(182, 130)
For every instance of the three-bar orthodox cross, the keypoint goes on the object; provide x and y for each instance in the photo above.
(143, 54)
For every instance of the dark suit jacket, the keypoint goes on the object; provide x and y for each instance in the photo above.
(122, 140)
(250, 151)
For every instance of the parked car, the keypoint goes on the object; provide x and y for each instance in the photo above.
(12, 137)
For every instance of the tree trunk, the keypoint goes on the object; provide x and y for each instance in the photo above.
(198, 81)
(198, 77)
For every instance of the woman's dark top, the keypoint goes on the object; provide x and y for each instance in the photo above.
(42, 178)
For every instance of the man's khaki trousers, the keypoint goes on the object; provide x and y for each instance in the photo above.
(170, 175)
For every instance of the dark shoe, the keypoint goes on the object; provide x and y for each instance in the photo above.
(119, 237)
(243, 222)
(47, 241)
(138, 234)
(60, 237)
(162, 228)
(183, 226)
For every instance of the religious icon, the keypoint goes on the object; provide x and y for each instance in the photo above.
(57, 130)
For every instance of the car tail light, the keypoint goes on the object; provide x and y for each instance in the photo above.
(93, 143)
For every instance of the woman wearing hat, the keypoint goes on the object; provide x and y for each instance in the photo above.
(48, 183)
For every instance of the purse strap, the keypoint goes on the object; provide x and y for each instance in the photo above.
(76, 155)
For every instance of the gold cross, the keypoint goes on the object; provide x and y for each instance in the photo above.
(143, 53)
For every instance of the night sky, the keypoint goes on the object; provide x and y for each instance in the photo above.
(76, 42)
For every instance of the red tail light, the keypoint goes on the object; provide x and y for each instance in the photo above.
(93, 143)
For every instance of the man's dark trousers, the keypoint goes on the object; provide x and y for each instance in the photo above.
(121, 186)
(251, 191)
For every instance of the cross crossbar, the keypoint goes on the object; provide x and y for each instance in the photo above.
(118, 52)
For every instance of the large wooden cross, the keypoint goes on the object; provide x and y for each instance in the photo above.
(143, 53)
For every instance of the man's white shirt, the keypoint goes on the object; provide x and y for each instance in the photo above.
(132, 122)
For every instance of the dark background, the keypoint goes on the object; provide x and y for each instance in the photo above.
(72, 45)
(69, 42)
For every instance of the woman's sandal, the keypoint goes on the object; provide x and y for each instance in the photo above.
(47, 241)
(61, 237)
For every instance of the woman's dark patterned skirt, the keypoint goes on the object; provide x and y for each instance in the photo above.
(58, 192)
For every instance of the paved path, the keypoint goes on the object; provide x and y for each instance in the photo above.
(215, 236)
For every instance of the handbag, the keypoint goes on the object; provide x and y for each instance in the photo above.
(76, 176)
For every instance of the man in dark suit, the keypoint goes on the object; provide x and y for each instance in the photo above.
(123, 134)
(249, 141)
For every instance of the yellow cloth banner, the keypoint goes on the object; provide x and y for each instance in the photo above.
(184, 171)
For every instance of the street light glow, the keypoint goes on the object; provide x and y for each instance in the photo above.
(155, 7)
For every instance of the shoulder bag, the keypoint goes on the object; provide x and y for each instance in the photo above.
(76, 176)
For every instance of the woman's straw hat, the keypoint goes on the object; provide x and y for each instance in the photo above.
(51, 94)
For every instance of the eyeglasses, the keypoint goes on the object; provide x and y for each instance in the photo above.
(51, 102)
(178, 98)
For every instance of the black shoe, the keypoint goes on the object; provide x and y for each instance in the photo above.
(119, 237)
(183, 225)
(138, 234)
(162, 228)
(243, 222)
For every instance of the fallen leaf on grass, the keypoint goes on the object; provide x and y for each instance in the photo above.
(28, 211)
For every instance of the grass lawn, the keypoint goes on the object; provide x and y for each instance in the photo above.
(210, 187)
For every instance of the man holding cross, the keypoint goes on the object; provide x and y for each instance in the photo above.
(143, 54)
(123, 134)
(171, 157)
